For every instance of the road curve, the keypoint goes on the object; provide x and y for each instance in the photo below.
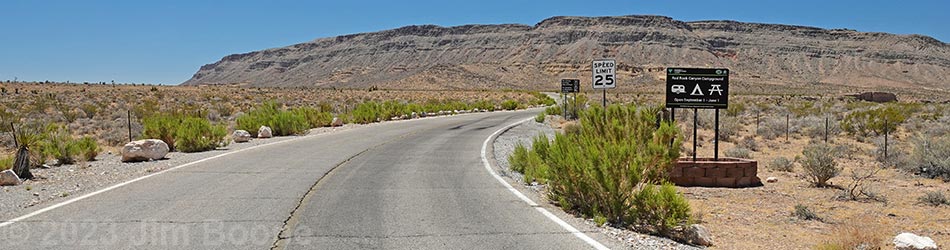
(416, 184)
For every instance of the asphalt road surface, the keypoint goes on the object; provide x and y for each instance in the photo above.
(416, 184)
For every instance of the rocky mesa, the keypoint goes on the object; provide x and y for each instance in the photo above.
(514, 56)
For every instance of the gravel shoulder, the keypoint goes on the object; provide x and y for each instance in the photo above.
(524, 133)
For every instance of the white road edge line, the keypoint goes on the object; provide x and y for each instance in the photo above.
(590, 241)
(55, 206)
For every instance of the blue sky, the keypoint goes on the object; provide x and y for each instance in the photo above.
(167, 41)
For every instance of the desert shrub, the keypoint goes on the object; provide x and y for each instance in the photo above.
(89, 110)
(161, 126)
(934, 198)
(814, 127)
(660, 207)
(611, 167)
(6, 162)
(781, 164)
(6, 118)
(735, 109)
(257, 117)
(286, 123)
(58, 144)
(88, 148)
(579, 103)
(31, 135)
(749, 143)
(282, 122)
(572, 128)
(804, 213)
(510, 105)
(197, 135)
(739, 152)
(518, 160)
(872, 121)
(931, 156)
(862, 186)
(367, 112)
(728, 128)
(539, 118)
(818, 161)
(542, 99)
(315, 118)
(774, 127)
(484, 105)
(553, 110)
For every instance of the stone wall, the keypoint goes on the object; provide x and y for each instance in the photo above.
(705, 172)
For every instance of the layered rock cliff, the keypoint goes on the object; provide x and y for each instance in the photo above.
(513, 56)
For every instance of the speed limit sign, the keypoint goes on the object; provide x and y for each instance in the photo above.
(604, 74)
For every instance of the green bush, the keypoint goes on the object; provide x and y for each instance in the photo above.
(88, 148)
(543, 99)
(553, 110)
(661, 208)
(510, 105)
(282, 122)
(197, 135)
(539, 118)
(315, 118)
(819, 164)
(872, 121)
(601, 168)
(367, 112)
(519, 158)
(257, 117)
(162, 127)
(484, 105)
(286, 123)
(6, 162)
(58, 144)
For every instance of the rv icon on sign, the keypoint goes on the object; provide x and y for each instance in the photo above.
(678, 89)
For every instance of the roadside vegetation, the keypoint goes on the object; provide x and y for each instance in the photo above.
(611, 170)
(91, 118)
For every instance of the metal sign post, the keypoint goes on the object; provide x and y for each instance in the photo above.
(698, 89)
(570, 86)
(604, 75)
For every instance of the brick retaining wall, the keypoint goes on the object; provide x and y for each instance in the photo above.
(704, 172)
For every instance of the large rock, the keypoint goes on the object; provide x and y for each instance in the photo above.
(144, 150)
(241, 136)
(9, 178)
(265, 132)
(909, 241)
(336, 122)
(698, 235)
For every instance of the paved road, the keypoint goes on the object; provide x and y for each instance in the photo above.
(402, 185)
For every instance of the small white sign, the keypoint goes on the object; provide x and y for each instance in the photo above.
(604, 73)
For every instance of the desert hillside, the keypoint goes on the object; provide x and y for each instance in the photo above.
(514, 56)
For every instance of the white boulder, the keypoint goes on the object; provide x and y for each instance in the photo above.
(265, 132)
(241, 136)
(909, 241)
(9, 178)
(144, 150)
(771, 179)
